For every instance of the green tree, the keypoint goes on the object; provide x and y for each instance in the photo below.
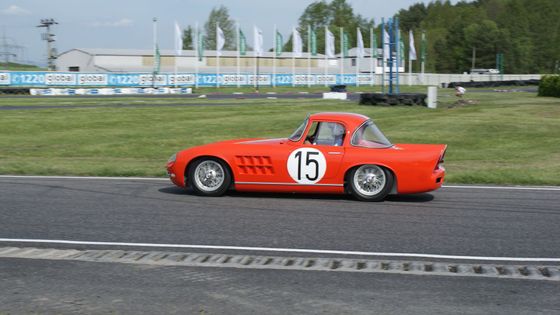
(544, 24)
(411, 18)
(220, 15)
(336, 14)
(514, 20)
(488, 40)
(188, 38)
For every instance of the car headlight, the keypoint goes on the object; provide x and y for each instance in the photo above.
(172, 159)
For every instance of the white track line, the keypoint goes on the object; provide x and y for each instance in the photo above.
(286, 250)
(543, 188)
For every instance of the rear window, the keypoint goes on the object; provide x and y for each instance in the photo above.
(369, 136)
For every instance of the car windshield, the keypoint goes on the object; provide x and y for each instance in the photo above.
(299, 131)
(369, 136)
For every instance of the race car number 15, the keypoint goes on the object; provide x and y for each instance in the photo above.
(307, 165)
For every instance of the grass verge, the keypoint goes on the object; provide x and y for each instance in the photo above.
(502, 138)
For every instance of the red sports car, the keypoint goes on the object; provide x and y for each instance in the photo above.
(328, 153)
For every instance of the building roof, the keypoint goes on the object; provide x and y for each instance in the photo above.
(207, 53)
(171, 52)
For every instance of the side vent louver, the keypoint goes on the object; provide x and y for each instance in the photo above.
(254, 164)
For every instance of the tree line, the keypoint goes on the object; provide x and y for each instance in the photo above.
(526, 32)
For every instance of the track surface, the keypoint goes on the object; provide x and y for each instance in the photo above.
(212, 96)
(451, 221)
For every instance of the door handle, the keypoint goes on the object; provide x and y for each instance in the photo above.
(334, 152)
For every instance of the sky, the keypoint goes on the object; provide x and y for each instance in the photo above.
(128, 24)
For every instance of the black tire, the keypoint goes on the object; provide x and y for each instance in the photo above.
(213, 178)
(360, 191)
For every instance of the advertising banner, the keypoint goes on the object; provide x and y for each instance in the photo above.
(4, 78)
(47, 79)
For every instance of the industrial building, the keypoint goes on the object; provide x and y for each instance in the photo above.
(130, 60)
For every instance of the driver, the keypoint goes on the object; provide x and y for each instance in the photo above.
(338, 133)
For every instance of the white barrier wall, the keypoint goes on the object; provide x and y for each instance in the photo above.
(109, 91)
(80, 79)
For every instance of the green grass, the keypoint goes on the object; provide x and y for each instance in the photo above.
(19, 67)
(504, 138)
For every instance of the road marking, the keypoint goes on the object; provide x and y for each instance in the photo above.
(284, 250)
(543, 188)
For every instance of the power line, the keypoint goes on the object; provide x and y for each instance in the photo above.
(8, 50)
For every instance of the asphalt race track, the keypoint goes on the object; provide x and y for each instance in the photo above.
(211, 96)
(95, 245)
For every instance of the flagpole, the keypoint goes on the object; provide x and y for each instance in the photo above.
(293, 59)
(217, 58)
(256, 59)
(197, 56)
(383, 55)
(274, 43)
(326, 62)
(409, 64)
(423, 54)
(357, 59)
(154, 20)
(412, 55)
(308, 55)
(341, 55)
(237, 57)
(371, 55)
(176, 56)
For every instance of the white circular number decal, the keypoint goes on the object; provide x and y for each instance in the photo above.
(307, 165)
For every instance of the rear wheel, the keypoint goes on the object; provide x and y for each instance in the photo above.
(209, 177)
(370, 182)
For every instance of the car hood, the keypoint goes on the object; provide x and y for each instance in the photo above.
(264, 141)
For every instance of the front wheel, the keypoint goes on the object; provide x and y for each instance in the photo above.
(209, 177)
(370, 182)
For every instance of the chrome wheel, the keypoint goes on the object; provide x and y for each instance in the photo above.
(369, 180)
(209, 176)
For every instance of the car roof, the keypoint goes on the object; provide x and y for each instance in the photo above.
(352, 120)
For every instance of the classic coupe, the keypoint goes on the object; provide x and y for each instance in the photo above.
(335, 153)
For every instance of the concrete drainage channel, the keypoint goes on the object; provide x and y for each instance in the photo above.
(502, 271)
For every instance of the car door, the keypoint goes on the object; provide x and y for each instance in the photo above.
(318, 158)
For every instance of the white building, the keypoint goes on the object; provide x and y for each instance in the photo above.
(130, 60)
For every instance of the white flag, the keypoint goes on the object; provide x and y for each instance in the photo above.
(258, 41)
(178, 40)
(220, 40)
(411, 48)
(386, 45)
(361, 51)
(297, 44)
(329, 40)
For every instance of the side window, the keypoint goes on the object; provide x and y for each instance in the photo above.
(312, 133)
(329, 133)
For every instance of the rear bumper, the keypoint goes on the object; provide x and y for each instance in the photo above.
(437, 178)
